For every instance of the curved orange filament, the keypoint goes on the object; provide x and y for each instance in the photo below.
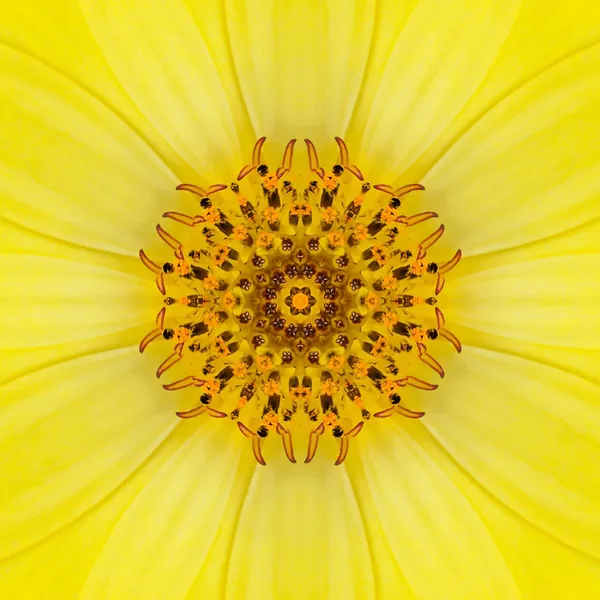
(171, 360)
(419, 218)
(430, 361)
(451, 338)
(190, 414)
(313, 442)
(446, 267)
(286, 164)
(149, 264)
(257, 451)
(217, 414)
(190, 187)
(255, 159)
(344, 447)
(417, 383)
(409, 414)
(170, 241)
(345, 159)
(183, 383)
(356, 429)
(439, 318)
(429, 241)
(181, 218)
(245, 431)
(149, 337)
(313, 159)
(384, 414)
(286, 437)
(439, 286)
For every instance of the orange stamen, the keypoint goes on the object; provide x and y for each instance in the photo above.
(171, 360)
(194, 412)
(181, 218)
(417, 383)
(256, 449)
(429, 241)
(286, 164)
(183, 383)
(344, 447)
(419, 218)
(313, 159)
(430, 361)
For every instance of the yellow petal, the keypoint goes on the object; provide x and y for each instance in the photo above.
(46, 301)
(529, 167)
(63, 561)
(538, 39)
(69, 435)
(530, 434)
(161, 541)
(71, 168)
(162, 60)
(440, 56)
(60, 36)
(300, 63)
(541, 566)
(439, 542)
(300, 535)
(551, 300)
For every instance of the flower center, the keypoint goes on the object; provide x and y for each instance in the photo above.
(300, 300)
(295, 306)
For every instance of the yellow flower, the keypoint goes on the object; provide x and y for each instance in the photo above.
(106, 106)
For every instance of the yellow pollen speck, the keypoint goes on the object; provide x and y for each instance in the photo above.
(329, 387)
(264, 239)
(220, 254)
(379, 347)
(336, 362)
(360, 233)
(210, 283)
(330, 419)
(240, 232)
(264, 363)
(228, 300)
(271, 214)
(270, 419)
(271, 387)
(270, 182)
(240, 369)
(212, 215)
(329, 214)
(212, 387)
(336, 239)
(389, 283)
(372, 300)
(360, 369)
(330, 181)
(380, 254)
(389, 319)
(388, 215)
(221, 347)
(210, 319)
(388, 386)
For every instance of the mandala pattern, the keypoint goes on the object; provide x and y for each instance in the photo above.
(300, 307)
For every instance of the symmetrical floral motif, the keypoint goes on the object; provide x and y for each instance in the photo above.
(297, 303)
